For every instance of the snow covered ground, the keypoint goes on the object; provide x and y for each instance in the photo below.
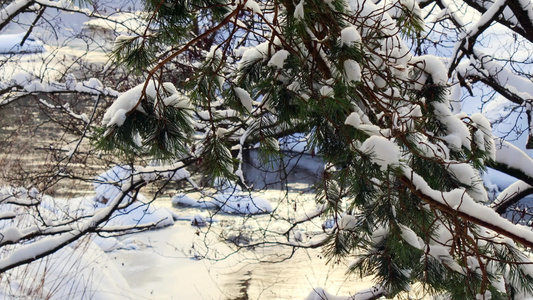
(176, 261)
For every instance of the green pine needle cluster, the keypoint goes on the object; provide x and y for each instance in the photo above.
(385, 225)
(159, 131)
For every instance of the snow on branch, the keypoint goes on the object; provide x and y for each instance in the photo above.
(458, 202)
(22, 84)
(511, 195)
(66, 107)
(47, 245)
(516, 88)
(507, 18)
(513, 161)
(470, 35)
(485, 21)
(10, 11)
(49, 235)
(522, 10)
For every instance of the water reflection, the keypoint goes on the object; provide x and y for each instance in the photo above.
(294, 171)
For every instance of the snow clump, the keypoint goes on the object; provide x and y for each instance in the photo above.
(278, 59)
(245, 98)
(352, 70)
(383, 151)
(350, 36)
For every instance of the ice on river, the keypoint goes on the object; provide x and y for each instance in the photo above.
(230, 199)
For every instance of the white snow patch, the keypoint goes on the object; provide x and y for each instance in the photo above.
(245, 98)
(126, 102)
(434, 66)
(383, 151)
(410, 236)
(327, 91)
(198, 220)
(353, 120)
(348, 222)
(463, 172)
(278, 59)
(352, 70)
(253, 6)
(299, 10)
(350, 36)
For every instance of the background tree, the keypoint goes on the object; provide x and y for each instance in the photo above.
(375, 87)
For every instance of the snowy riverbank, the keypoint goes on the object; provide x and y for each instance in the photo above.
(177, 261)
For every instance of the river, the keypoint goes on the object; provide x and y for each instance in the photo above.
(34, 148)
(187, 262)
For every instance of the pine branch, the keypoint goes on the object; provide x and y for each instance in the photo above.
(192, 42)
(515, 232)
